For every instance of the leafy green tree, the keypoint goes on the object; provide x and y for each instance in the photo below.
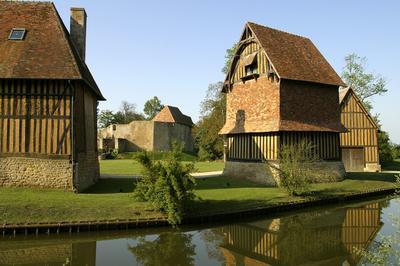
(167, 184)
(230, 52)
(127, 113)
(105, 118)
(210, 145)
(213, 108)
(152, 107)
(386, 148)
(364, 83)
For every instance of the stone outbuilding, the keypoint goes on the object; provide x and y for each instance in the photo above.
(156, 135)
(48, 99)
(359, 144)
(280, 91)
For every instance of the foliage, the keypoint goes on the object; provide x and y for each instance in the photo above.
(167, 184)
(365, 84)
(125, 115)
(387, 250)
(111, 155)
(152, 107)
(387, 150)
(173, 248)
(228, 58)
(295, 169)
(209, 143)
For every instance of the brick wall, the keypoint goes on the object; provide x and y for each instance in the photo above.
(252, 106)
(35, 172)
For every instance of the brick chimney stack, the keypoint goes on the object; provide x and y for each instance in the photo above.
(78, 30)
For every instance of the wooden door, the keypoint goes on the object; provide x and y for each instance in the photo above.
(353, 159)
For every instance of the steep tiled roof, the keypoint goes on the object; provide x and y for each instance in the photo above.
(171, 114)
(295, 57)
(46, 51)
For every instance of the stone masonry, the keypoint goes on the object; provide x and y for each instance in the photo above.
(36, 172)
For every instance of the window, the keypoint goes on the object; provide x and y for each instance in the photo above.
(251, 69)
(17, 34)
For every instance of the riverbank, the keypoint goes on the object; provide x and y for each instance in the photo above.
(111, 200)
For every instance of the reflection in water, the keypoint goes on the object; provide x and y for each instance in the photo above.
(302, 239)
(166, 249)
(318, 237)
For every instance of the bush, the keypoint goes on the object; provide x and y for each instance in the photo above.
(295, 171)
(167, 184)
(111, 155)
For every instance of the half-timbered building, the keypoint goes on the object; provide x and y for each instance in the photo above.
(48, 99)
(359, 144)
(280, 90)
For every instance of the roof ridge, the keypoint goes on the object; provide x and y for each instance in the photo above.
(27, 2)
(282, 31)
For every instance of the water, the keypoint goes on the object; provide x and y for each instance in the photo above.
(318, 236)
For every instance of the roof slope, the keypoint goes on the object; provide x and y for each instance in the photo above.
(295, 57)
(46, 51)
(171, 114)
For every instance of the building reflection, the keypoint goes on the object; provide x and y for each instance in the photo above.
(314, 238)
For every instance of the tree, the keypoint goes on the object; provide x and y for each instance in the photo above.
(365, 84)
(152, 107)
(127, 113)
(213, 110)
(105, 118)
(229, 54)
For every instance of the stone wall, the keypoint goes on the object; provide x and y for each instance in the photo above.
(372, 167)
(36, 172)
(268, 173)
(146, 135)
(87, 171)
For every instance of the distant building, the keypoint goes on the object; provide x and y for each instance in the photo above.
(48, 99)
(359, 145)
(280, 90)
(155, 135)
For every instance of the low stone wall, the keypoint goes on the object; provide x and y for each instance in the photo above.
(372, 167)
(36, 172)
(254, 171)
(268, 173)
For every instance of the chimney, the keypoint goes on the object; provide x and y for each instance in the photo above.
(78, 30)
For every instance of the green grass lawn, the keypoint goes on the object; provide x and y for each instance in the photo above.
(111, 199)
(132, 167)
(392, 166)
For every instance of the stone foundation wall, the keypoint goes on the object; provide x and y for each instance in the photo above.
(268, 173)
(372, 167)
(36, 172)
(87, 171)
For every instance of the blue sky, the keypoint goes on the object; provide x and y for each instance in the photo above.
(174, 49)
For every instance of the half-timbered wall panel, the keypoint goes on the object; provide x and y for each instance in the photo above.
(361, 131)
(256, 147)
(35, 117)
(262, 61)
(266, 146)
(325, 144)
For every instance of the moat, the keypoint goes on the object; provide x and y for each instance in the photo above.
(316, 236)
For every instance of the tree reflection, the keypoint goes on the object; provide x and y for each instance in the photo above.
(167, 249)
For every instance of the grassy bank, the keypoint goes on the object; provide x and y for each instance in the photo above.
(132, 167)
(111, 199)
(392, 166)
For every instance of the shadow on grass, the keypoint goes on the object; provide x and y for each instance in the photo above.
(112, 185)
(225, 182)
(199, 207)
(392, 166)
(385, 177)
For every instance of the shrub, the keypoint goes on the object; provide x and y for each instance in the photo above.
(295, 171)
(111, 155)
(167, 184)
